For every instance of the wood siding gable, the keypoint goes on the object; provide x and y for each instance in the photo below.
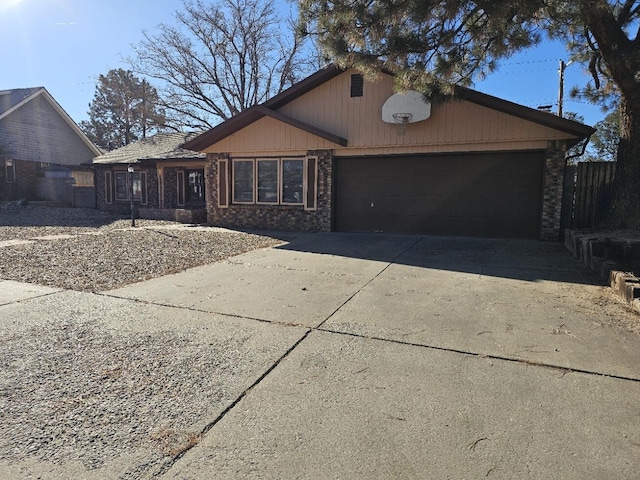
(40, 131)
(471, 122)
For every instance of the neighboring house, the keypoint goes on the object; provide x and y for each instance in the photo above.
(318, 157)
(167, 181)
(43, 153)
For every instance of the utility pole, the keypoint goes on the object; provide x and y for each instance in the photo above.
(563, 66)
(561, 89)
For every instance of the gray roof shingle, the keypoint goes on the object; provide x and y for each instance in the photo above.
(161, 146)
(11, 98)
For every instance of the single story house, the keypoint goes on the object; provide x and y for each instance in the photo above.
(321, 156)
(166, 181)
(43, 153)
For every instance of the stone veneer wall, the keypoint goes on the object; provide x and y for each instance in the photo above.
(554, 164)
(122, 207)
(24, 184)
(170, 188)
(272, 217)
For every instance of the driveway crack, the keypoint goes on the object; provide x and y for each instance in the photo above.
(391, 262)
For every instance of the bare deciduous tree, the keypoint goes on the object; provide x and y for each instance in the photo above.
(219, 59)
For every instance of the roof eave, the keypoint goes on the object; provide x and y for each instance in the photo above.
(543, 118)
(318, 132)
(247, 117)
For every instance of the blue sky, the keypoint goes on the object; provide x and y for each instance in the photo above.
(64, 45)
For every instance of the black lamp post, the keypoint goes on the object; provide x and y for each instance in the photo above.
(133, 217)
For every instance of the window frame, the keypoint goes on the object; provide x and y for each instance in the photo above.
(192, 197)
(118, 196)
(234, 176)
(282, 199)
(143, 197)
(278, 181)
(225, 169)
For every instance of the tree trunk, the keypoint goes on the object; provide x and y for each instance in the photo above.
(621, 58)
(625, 213)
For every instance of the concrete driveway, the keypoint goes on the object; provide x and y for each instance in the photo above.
(396, 357)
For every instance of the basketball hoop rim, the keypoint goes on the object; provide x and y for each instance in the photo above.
(401, 117)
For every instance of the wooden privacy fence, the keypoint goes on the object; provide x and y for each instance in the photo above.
(587, 193)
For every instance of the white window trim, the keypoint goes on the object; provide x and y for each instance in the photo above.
(233, 182)
(255, 162)
(281, 186)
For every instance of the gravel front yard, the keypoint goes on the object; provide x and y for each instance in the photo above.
(98, 387)
(101, 252)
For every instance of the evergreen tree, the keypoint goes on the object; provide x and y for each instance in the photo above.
(433, 45)
(605, 140)
(124, 109)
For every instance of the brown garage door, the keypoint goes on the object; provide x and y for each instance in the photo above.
(488, 195)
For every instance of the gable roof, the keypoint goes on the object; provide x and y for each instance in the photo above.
(268, 108)
(12, 100)
(247, 117)
(161, 146)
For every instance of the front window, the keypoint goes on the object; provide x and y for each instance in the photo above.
(292, 173)
(195, 190)
(271, 181)
(243, 181)
(121, 185)
(123, 188)
(267, 181)
(139, 186)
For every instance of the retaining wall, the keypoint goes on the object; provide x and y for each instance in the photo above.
(615, 258)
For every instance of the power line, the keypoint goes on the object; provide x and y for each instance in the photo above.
(527, 71)
(525, 62)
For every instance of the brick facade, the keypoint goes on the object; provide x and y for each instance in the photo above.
(24, 185)
(123, 207)
(272, 217)
(150, 210)
(554, 164)
(283, 217)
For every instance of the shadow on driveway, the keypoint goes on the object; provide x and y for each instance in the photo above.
(526, 260)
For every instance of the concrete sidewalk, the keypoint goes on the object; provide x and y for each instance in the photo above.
(384, 357)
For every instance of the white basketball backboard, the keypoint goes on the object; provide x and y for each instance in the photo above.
(407, 107)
